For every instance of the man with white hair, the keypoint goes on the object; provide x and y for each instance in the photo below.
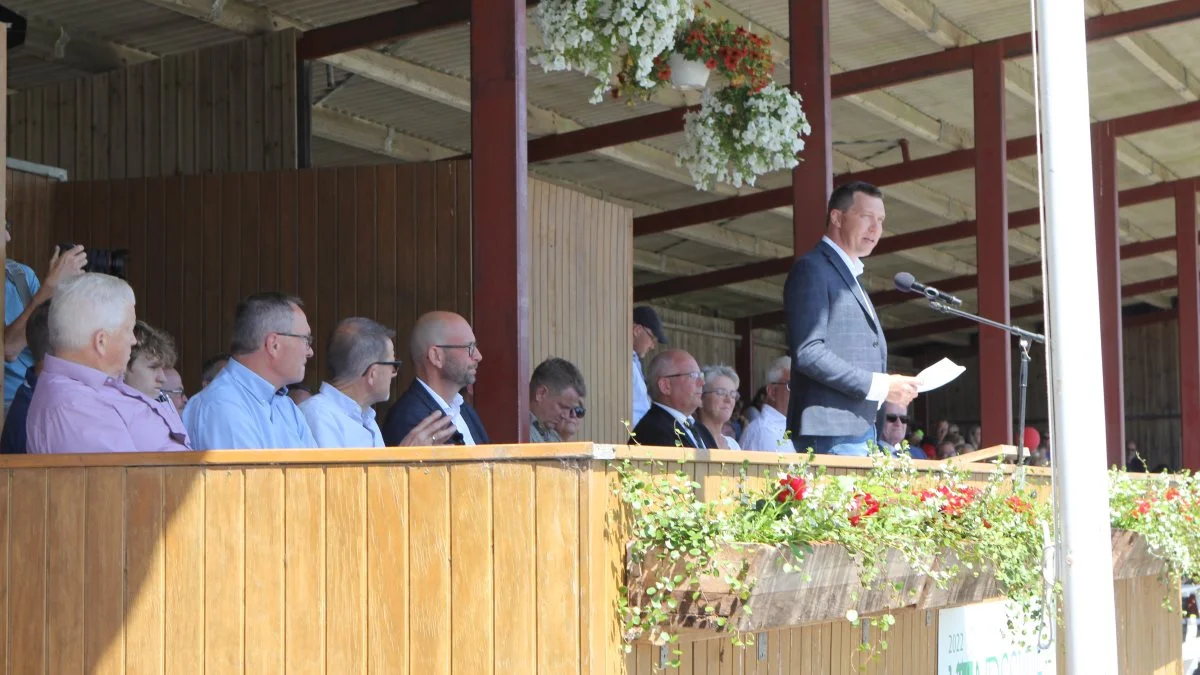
(768, 431)
(676, 386)
(81, 403)
(362, 364)
(446, 359)
(247, 406)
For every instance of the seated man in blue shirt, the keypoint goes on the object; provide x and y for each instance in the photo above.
(247, 406)
(37, 332)
(22, 294)
(362, 364)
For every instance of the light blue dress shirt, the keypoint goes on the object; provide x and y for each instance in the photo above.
(14, 371)
(338, 421)
(641, 397)
(240, 410)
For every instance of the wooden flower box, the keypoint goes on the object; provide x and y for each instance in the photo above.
(827, 584)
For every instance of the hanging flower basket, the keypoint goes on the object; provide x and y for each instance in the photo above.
(687, 73)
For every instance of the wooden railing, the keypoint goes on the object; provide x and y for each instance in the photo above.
(499, 559)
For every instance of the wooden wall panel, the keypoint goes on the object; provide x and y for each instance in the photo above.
(581, 289)
(198, 244)
(1151, 392)
(255, 564)
(30, 205)
(225, 108)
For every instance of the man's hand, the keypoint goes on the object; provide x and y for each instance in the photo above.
(64, 265)
(902, 389)
(436, 429)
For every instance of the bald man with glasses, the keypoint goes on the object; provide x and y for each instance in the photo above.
(446, 358)
(676, 386)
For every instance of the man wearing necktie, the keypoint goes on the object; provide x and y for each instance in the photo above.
(835, 339)
(676, 384)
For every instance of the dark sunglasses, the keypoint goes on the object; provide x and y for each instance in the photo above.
(902, 418)
(578, 411)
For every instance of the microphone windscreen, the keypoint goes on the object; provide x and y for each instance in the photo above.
(904, 281)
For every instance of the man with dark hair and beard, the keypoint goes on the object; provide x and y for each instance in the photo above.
(446, 358)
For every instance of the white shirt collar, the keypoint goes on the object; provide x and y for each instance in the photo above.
(451, 409)
(855, 266)
(346, 404)
(679, 417)
(772, 416)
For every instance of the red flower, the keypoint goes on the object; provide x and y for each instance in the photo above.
(1018, 505)
(1172, 493)
(1141, 507)
(710, 63)
(863, 505)
(794, 487)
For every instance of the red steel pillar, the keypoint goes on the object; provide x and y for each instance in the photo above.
(991, 244)
(499, 217)
(743, 360)
(812, 179)
(1108, 269)
(1186, 232)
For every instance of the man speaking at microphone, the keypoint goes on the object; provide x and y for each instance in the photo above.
(839, 354)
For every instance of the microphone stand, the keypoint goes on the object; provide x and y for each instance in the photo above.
(1025, 339)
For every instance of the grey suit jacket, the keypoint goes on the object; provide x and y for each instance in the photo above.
(836, 345)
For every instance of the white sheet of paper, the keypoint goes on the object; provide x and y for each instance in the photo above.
(939, 374)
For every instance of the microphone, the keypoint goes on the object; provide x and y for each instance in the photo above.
(907, 283)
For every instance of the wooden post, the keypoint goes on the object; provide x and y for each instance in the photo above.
(812, 179)
(1189, 323)
(1108, 268)
(991, 246)
(499, 216)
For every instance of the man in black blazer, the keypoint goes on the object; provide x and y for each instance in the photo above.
(446, 359)
(675, 383)
(835, 338)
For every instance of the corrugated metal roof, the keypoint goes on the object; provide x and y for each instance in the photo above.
(133, 22)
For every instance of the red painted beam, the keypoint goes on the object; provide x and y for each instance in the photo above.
(608, 135)
(958, 160)
(500, 216)
(1186, 231)
(812, 179)
(1108, 268)
(383, 28)
(909, 240)
(991, 249)
(907, 70)
(1020, 311)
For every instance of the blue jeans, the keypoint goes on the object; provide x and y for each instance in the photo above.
(852, 446)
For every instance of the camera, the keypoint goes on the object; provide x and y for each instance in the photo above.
(105, 261)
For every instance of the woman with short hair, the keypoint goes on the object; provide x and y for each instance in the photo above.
(716, 403)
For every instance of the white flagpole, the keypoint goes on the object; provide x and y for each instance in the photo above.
(1076, 385)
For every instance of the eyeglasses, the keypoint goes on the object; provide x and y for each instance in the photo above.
(695, 375)
(310, 338)
(903, 419)
(394, 364)
(788, 385)
(727, 393)
(471, 350)
(578, 411)
(171, 392)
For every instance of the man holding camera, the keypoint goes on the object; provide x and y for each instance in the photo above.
(23, 293)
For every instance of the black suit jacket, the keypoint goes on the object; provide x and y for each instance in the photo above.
(416, 404)
(657, 427)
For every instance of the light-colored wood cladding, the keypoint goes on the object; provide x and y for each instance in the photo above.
(500, 560)
(581, 290)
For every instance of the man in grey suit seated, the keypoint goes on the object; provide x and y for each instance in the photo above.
(839, 354)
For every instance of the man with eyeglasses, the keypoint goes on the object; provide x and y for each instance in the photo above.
(246, 407)
(768, 431)
(647, 334)
(362, 364)
(556, 391)
(446, 360)
(893, 428)
(676, 388)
